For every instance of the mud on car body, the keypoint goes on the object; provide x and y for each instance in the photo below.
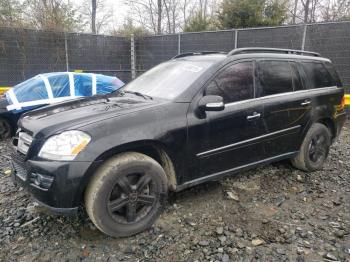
(195, 118)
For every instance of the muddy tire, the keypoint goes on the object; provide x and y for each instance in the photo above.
(126, 194)
(5, 129)
(314, 149)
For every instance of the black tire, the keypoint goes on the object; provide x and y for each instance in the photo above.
(5, 128)
(314, 149)
(126, 194)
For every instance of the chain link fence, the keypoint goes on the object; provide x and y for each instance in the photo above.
(332, 40)
(25, 53)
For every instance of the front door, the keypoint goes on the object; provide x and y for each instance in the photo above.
(228, 139)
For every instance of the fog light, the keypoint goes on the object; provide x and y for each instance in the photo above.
(37, 181)
(41, 181)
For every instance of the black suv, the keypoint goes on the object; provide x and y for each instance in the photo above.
(198, 117)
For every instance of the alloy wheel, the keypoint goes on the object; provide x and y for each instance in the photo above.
(318, 148)
(132, 198)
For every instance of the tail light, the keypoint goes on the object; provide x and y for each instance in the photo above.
(343, 102)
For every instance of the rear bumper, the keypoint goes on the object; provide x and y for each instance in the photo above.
(339, 122)
(59, 186)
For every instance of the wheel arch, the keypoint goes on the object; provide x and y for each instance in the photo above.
(153, 149)
(329, 123)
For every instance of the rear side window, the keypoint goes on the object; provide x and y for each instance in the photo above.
(275, 77)
(334, 74)
(318, 75)
(233, 83)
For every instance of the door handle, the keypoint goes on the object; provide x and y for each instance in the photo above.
(306, 102)
(255, 115)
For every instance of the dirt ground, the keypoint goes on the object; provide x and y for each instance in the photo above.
(272, 213)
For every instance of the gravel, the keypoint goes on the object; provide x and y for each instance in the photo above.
(272, 213)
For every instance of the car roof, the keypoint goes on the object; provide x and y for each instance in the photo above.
(198, 57)
(251, 53)
(280, 56)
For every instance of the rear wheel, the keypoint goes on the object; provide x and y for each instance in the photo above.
(314, 149)
(126, 194)
(5, 128)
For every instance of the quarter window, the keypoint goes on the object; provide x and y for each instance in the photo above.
(275, 77)
(234, 83)
(334, 74)
(318, 75)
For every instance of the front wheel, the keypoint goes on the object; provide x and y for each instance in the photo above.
(126, 194)
(314, 149)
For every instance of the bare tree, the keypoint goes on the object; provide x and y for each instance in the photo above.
(306, 10)
(148, 13)
(295, 10)
(173, 15)
(187, 11)
(56, 15)
(93, 16)
(97, 13)
(159, 14)
(335, 10)
(314, 11)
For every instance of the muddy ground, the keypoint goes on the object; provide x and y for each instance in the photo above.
(272, 213)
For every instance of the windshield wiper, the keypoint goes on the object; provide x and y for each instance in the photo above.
(138, 94)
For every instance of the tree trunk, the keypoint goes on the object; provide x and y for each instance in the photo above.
(306, 11)
(93, 16)
(159, 25)
(168, 16)
(295, 11)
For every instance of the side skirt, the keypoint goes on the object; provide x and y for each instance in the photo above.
(219, 175)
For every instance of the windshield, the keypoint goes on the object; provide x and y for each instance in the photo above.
(168, 79)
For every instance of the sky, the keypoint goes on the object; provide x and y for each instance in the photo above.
(120, 10)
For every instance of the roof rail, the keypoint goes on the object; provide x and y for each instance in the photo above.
(270, 50)
(198, 53)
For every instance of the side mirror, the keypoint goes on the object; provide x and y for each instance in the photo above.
(211, 103)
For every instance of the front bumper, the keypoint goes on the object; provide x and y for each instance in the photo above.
(57, 185)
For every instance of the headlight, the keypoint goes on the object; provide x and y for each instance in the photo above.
(65, 146)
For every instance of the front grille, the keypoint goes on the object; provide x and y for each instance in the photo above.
(18, 157)
(40, 181)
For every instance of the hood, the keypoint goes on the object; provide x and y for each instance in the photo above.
(81, 112)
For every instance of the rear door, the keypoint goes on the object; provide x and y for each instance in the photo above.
(323, 83)
(286, 105)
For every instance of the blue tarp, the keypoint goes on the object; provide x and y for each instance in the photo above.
(56, 87)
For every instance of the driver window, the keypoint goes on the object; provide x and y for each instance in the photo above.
(234, 83)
